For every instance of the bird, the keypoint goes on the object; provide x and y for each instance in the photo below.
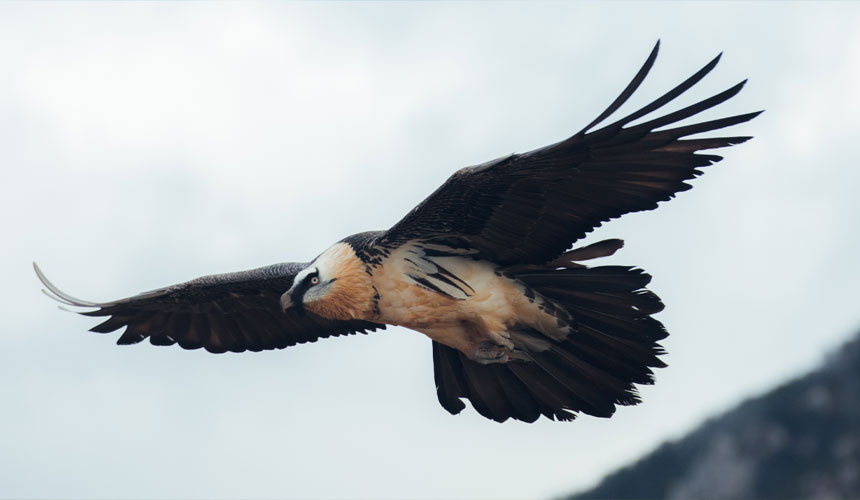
(487, 267)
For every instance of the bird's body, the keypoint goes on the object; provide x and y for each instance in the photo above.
(519, 325)
(458, 301)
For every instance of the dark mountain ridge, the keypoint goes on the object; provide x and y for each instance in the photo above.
(800, 440)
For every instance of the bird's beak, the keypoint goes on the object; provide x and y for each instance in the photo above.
(286, 301)
(290, 301)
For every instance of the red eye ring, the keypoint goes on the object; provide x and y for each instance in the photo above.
(315, 281)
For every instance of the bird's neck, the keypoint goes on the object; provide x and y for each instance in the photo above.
(352, 295)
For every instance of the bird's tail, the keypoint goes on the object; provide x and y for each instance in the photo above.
(612, 346)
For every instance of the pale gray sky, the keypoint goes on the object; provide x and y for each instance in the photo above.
(143, 144)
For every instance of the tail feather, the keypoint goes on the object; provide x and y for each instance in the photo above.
(638, 352)
(590, 398)
(592, 279)
(633, 368)
(629, 328)
(448, 373)
(553, 399)
(524, 403)
(603, 379)
(636, 304)
(613, 346)
(488, 397)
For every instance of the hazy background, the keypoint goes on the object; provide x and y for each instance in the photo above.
(143, 144)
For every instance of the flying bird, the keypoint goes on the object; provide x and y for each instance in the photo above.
(484, 267)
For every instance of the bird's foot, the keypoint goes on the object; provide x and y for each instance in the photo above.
(487, 352)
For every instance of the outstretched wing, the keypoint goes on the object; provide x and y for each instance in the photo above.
(223, 312)
(529, 208)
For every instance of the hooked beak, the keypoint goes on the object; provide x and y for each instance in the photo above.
(288, 301)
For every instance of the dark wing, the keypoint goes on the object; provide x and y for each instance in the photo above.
(223, 312)
(529, 208)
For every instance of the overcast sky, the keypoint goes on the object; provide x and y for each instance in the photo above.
(143, 144)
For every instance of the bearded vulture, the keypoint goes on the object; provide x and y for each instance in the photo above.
(519, 326)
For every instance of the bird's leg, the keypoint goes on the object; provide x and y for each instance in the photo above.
(487, 352)
(497, 349)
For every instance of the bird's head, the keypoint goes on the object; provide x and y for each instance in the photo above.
(308, 286)
(335, 286)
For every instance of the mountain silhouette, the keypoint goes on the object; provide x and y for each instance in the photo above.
(800, 440)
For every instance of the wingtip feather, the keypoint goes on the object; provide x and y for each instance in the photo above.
(57, 294)
(656, 48)
(627, 92)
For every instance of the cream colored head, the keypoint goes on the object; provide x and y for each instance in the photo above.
(335, 286)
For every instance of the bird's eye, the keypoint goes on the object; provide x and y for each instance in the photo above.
(315, 281)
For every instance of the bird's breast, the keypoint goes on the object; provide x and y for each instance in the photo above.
(420, 291)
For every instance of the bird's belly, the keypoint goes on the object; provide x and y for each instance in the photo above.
(477, 304)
